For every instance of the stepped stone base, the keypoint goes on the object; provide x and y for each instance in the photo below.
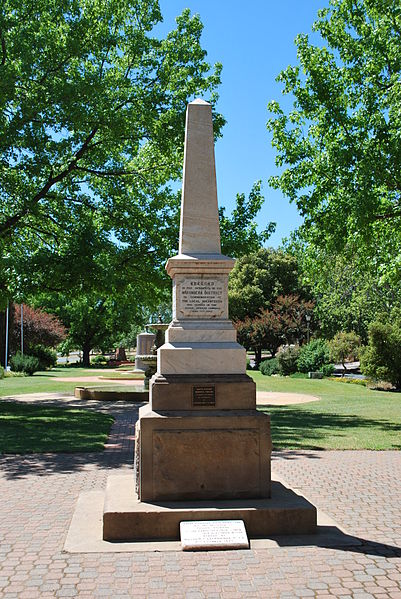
(180, 392)
(126, 518)
(191, 455)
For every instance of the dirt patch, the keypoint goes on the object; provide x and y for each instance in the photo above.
(270, 398)
(97, 379)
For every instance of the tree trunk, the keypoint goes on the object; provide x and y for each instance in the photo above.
(121, 356)
(258, 357)
(85, 355)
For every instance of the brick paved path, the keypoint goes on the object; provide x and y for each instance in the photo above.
(361, 490)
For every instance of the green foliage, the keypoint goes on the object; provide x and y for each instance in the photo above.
(1, 372)
(349, 292)
(327, 370)
(92, 117)
(313, 356)
(338, 149)
(269, 367)
(381, 358)
(23, 363)
(258, 279)
(47, 357)
(288, 360)
(344, 346)
(239, 234)
(99, 360)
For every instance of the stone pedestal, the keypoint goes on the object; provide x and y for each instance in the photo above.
(188, 455)
(144, 342)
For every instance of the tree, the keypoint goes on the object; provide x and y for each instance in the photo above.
(284, 322)
(340, 145)
(348, 293)
(39, 328)
(239, 235)
(92, 108)
(257, 279)
(343, 346)
(381, 358)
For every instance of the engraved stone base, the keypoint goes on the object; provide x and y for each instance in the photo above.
(203, 455)
(197, 392)
(126, 518)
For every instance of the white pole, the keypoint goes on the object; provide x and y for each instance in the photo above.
(22, 329)
(6, 352)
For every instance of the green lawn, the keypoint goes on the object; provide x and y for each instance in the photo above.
(44, 381)
(26, 428)
(347, 417)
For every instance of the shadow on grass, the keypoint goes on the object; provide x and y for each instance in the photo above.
(58, 437)
(306, 429)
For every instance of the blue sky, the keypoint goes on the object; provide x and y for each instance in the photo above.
(254, 41)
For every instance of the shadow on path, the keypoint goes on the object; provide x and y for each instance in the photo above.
(333, 537)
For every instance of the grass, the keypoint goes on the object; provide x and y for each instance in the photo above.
(43, 382)
(36, 429)
(347, 417)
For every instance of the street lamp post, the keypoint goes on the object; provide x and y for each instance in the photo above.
(6, 348)
(22, 329)
(308, 319)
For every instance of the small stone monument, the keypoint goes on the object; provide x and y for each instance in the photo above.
(202, 449)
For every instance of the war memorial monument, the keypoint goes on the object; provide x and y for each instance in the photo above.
(203, 450)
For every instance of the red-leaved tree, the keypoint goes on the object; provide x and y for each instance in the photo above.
(284, 323)
(39, 328)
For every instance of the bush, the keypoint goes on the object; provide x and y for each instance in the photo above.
(344, 346)
(99, 360)
(269, 367)
(327, 369)
(381, 359)
(313, 356)
(46, 355)
(288, 361)
(1, 372)
(23, 363)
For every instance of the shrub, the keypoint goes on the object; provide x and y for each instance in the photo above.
(313, 356)
(23, 363)
(47, 357)
(99, 360)
(344, 346)
(288, 360)
(327, 369)
(1, 372)
(381, 358)
(269, 367)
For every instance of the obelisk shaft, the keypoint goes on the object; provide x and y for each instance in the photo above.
(199, 228)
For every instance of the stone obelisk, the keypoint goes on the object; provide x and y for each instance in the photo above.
(202, 449)
(201, 437)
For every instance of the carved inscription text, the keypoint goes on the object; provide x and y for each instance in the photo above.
(202, 298)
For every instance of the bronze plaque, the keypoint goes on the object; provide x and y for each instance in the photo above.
(203, 395)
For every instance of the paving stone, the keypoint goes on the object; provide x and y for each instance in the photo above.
(359, 489)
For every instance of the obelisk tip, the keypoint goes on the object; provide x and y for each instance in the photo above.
(200, 101)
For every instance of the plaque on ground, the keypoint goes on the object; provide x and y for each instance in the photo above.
(213, 534)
